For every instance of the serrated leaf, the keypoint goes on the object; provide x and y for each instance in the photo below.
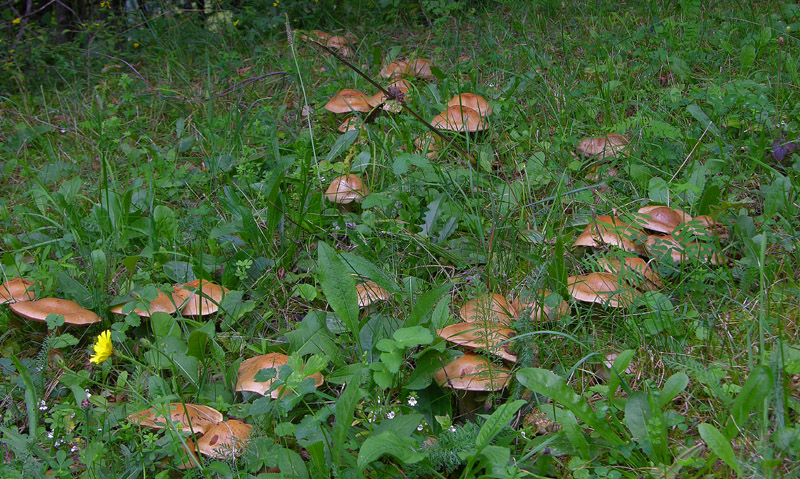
(718, 444)
(311, 336)
(431, 214)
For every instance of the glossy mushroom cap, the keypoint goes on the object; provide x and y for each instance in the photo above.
(346, 189)
(348, 100)
(661, 218)
(661, 245)
(225, 440)
(250, 367)
(432, 142)
(539, 311)
(39, 310)
(485, 336)
(612, 145)
(491, 307)
(610, 230)
(187, 418)
(458, 118)
(394, 70)
(162, 304)
(603, 288)
(472, 372)
(420, 68)
(17, 290)
(634, 270)
(471, 100)
(204, 298)
(369, 293)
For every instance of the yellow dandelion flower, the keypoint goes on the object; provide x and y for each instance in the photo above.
(135, 44)
(16, 21)
(236, 23)
(102, 348)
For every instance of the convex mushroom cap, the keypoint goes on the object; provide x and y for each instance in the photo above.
(369, 293)
(250, 367)
(491, 307)
(381, 97)
(662, 219)
(661, 245)
(187, 418)
(40, 309)
(420, 68)
(471, 100)
(485, 335)
(349, 100)
(612, 145)
(603, 288)
(346, 189)
(225, 440)
(610, 230)
(394, 69)
(162, 304)
(459, 118)
(472, 372)
(539, 310)
(634, 270)
(17, 290)
(204, 298)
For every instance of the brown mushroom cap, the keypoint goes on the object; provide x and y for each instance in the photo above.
(394, 69)
(433, 143)
(188, 418)
(539, 310)
(162, 304)
(420, 68)
(351, 123)
(189, 454)
(612, 145)
(612, 231)
(39, 310)
(458, 118)
(486, 336)
(472, 372)
(661, 218)
(205, 298)
(634, 270)
(340, 44)
(492, 307)
(659, 245)
(603, 288)
(369, 293)
(225, 440)
(348, 100)
(381, 97)
(250, 367)
(318, 35)
(705, 227)
(346, 189)
(17, 290)
(471, 100)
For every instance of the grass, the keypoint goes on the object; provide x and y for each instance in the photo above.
(187, 152)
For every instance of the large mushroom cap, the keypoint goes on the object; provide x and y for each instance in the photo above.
(205, 298)
(369, 293)
(634, 270)
(661, 218)
(346, 189)
(17, 290)
(420, 68)
(661, 245)
(486, 336)
(348, 100)
(250, 367)
(340, 44)
(459, 118)
(491, 307)
(162, 304)
(472, 372)
(187, 418)
(471, 100)
(394, 70)
(612, 231)
(539, 310)
(603, 288)
(612, 145)
(225, 440)
(39, 310)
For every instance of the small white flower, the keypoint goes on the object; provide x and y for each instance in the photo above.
(88, 394)
(73, 449)
(452, 429)
(43, 406)
(524, 436)
(412, 401)
(390, 415)
(58, 442)
(420, 427)
(49, 434)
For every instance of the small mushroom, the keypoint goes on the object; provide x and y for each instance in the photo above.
(486, 336)
(610, 230)
(430, 141)
(661, 245)
(250, 367)
(369, 293)
(394, 69)
(459, 118)
(634, 270)
(492, 307)
(225, 440)
(380, 97)
(187, 418)
(420, 68)
(539, 310)
(603, 288)
(17, 290)
(162, 303)
(661, 219)
(205, 298)
(613, 145)
(340, 44)
(471, 100)
(346, 189)
(348, 100)
(40, 309)
(472, 372)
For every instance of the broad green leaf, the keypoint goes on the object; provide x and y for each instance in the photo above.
(701, 117)
(311, 336)
(637, 413)
(164, 325)
(718, 444)
(341, 144)
(291, 464)
(166, 224)
(30, 396)
(747, 56)
(392, 360)
(362, 267)
(547, 383)
(675, 385)
(345, 407)
(496, 422)
(496, 460)
(413, 336)
(757, 387)
(620, 364)
(339, 287)
(425, 304)
(441, 313)
(388, 442)
(570, 428)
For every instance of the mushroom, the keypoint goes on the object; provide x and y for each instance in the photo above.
(250, 367)
(486, 336)
(204, 298)
(471, 100)
(661, 219)
(162, 303)
(634, 270)
(603, 288)
(430, 141)
(491, 307)
(537, 308)
(420, 68)
(351, 123)
(225, 440)
(472, 372)
(346, 189)
(17, 290)
(188, 453)
(612, 231)
(340, 44)
(706, 227)
(187, 418)
(661, 245)
(394, 69)
(40, 309)
(380, 97)
(613, 145)
(369, 293)
(348, 100)
(459, 118)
